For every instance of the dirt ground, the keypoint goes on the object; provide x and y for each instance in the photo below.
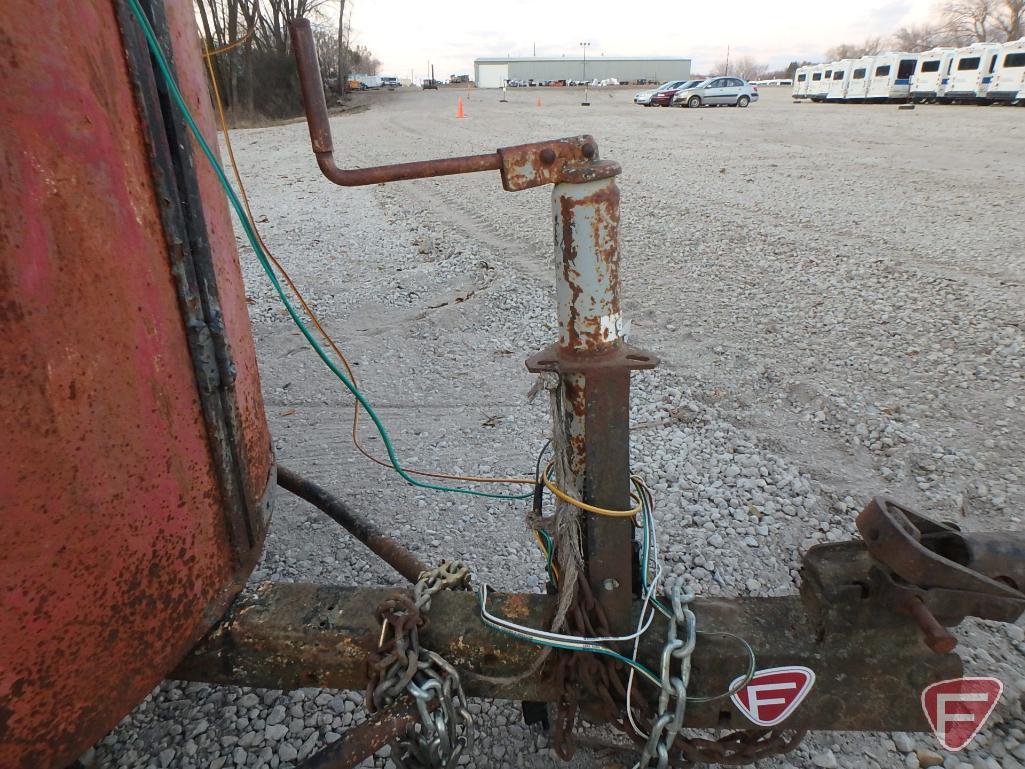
(836, 292)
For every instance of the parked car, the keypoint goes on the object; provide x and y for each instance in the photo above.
(662, 95)
(716, 91)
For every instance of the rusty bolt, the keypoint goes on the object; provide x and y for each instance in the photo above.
(547, 156)
(937, 637)
(588, 150)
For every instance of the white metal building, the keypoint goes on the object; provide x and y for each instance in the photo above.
(494, 72)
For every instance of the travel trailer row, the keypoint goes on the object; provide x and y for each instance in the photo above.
(983, 73)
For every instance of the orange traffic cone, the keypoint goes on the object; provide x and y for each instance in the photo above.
(539, 101)
(459, 108)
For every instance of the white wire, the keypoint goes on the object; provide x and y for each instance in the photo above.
(651, 534)
(559, 637)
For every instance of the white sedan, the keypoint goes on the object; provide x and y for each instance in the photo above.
(644, 97)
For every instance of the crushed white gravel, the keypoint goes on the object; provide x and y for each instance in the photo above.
(836, 292)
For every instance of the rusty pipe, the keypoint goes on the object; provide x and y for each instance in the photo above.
(367, 738)
(312, 88)
(390, 551)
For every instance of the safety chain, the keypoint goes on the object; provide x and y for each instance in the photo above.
(592, 680)
(669, 723)
(737, 748)
(402, 665)
(597, 681)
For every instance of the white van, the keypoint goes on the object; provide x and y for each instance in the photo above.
(801, 82)
(861, 72)
(972, 72)
(840, 80)
(890, 79)
(932, 74)
(1009, 77)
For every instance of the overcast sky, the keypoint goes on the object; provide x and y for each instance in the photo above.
(405, 34)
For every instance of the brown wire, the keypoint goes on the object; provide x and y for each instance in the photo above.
(313, 316)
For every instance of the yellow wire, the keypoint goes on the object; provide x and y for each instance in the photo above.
(313, 316)
(210, 54)
(544, 552)
(583, 505)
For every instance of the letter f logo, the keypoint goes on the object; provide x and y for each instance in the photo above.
(958, 708)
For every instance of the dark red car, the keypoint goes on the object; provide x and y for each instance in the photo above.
(663, 98)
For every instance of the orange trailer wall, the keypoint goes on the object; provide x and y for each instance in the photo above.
(119, 543)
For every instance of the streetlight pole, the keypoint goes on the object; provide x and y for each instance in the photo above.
(585, 102)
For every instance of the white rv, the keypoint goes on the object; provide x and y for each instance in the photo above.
(932, 74)
(972, 72)
(891, 77)
(861, 72)
(840, 79)
(1009, 76)
(801, 82)
(818, 82)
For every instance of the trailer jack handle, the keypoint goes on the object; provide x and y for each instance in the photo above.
(574, 160)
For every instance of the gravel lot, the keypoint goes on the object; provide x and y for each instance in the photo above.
(836, 292)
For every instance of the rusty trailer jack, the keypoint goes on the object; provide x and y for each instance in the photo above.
(858, 621)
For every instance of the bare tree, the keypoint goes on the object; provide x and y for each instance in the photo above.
(870, 47)
(970, 21)
(1010, 18)
(254, 71)
(919, 37)
(343, 73)
(743, 66)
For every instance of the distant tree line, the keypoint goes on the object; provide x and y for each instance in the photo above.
(255, 70)
(955, 23)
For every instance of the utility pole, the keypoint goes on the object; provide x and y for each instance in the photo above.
(585, 102)
(727, 61)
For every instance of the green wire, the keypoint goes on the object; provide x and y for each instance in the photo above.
(172, 86)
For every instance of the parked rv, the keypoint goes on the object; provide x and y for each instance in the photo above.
(840, 80)
(861, 70)
(818, 86)
(802, 80)
(890, 78)
(972, 71)
(932, 75)
(1009, 76)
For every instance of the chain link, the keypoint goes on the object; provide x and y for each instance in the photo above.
(402, 665)
(596, 680)
(668, 723)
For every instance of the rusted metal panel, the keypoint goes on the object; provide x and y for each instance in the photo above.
(256, 459)
(295, 635)
(116, 554)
